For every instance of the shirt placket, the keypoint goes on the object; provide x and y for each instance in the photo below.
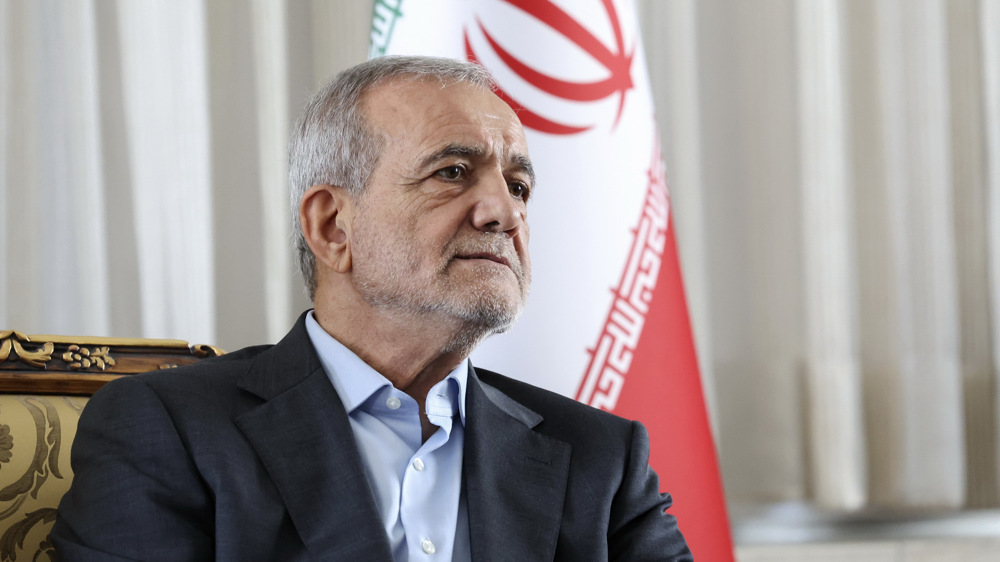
(425, 483)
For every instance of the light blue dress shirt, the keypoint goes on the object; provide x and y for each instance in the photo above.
(418, 486)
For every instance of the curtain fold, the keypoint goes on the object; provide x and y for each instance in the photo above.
(988, 16)
(972, 253)
(832, 370)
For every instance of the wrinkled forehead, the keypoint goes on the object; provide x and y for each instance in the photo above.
(419, 102)
(417, 119)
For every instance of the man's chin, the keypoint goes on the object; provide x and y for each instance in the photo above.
(491, 313)
(481, 323)
(494, 320)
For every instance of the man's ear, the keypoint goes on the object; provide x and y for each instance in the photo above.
(326, 213)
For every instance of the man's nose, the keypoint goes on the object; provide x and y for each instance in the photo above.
(496, 210)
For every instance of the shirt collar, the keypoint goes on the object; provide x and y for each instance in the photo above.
(356, 381)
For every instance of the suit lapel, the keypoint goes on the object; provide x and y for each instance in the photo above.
(304, 439)
(515, 478)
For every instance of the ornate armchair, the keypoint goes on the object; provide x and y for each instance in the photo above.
(45, 381)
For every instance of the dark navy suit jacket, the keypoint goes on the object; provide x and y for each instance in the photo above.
(251, 456)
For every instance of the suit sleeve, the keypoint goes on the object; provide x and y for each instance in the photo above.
(640, 529)
(136, 493)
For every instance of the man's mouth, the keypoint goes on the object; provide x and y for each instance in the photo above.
(485, 256)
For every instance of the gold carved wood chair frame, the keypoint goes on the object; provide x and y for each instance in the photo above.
(45, 381)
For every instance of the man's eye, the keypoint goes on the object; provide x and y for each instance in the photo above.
(518, 190)
(451, 172)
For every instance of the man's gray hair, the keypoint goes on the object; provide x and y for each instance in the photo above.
(332, 142)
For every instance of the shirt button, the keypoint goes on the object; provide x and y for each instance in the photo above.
(393, 403)
(428, 546)
(418, 465)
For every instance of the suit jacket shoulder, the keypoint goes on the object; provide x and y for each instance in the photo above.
(248, 456)
(611, 507)
(561, 414)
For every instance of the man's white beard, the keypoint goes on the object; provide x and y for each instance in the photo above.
(389, 277)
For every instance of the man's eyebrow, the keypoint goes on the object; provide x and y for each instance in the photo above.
(523, 164)
(518, 162)
(450, 150)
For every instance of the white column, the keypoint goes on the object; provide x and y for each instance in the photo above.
(26, 296)
(989, 24)
(334, 51)
(753, 240)
(270, 28)
(7, 45)
(84, 177)
(972, 250)
(165, 84)
(909, 311)
(237, 207)
(833, 389)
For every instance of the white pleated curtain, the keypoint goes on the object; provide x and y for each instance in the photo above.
(143, 162)
(835, 170)
(834, 167)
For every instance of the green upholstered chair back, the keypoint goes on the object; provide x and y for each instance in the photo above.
(45, 381)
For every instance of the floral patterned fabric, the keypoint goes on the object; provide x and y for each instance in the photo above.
(36, 433)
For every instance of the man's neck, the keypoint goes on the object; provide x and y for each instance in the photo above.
(414, 354)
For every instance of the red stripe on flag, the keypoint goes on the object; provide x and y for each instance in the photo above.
(663, 391)
(644, 367)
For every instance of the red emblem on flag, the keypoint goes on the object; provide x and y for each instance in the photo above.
(618, 63)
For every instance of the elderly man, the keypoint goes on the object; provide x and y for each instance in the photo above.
(366, 434)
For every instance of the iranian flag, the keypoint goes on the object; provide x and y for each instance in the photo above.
(606, 322)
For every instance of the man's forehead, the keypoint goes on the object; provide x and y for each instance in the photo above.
(417, 98)
(434, 116)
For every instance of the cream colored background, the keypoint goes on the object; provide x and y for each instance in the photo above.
(834, 165)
